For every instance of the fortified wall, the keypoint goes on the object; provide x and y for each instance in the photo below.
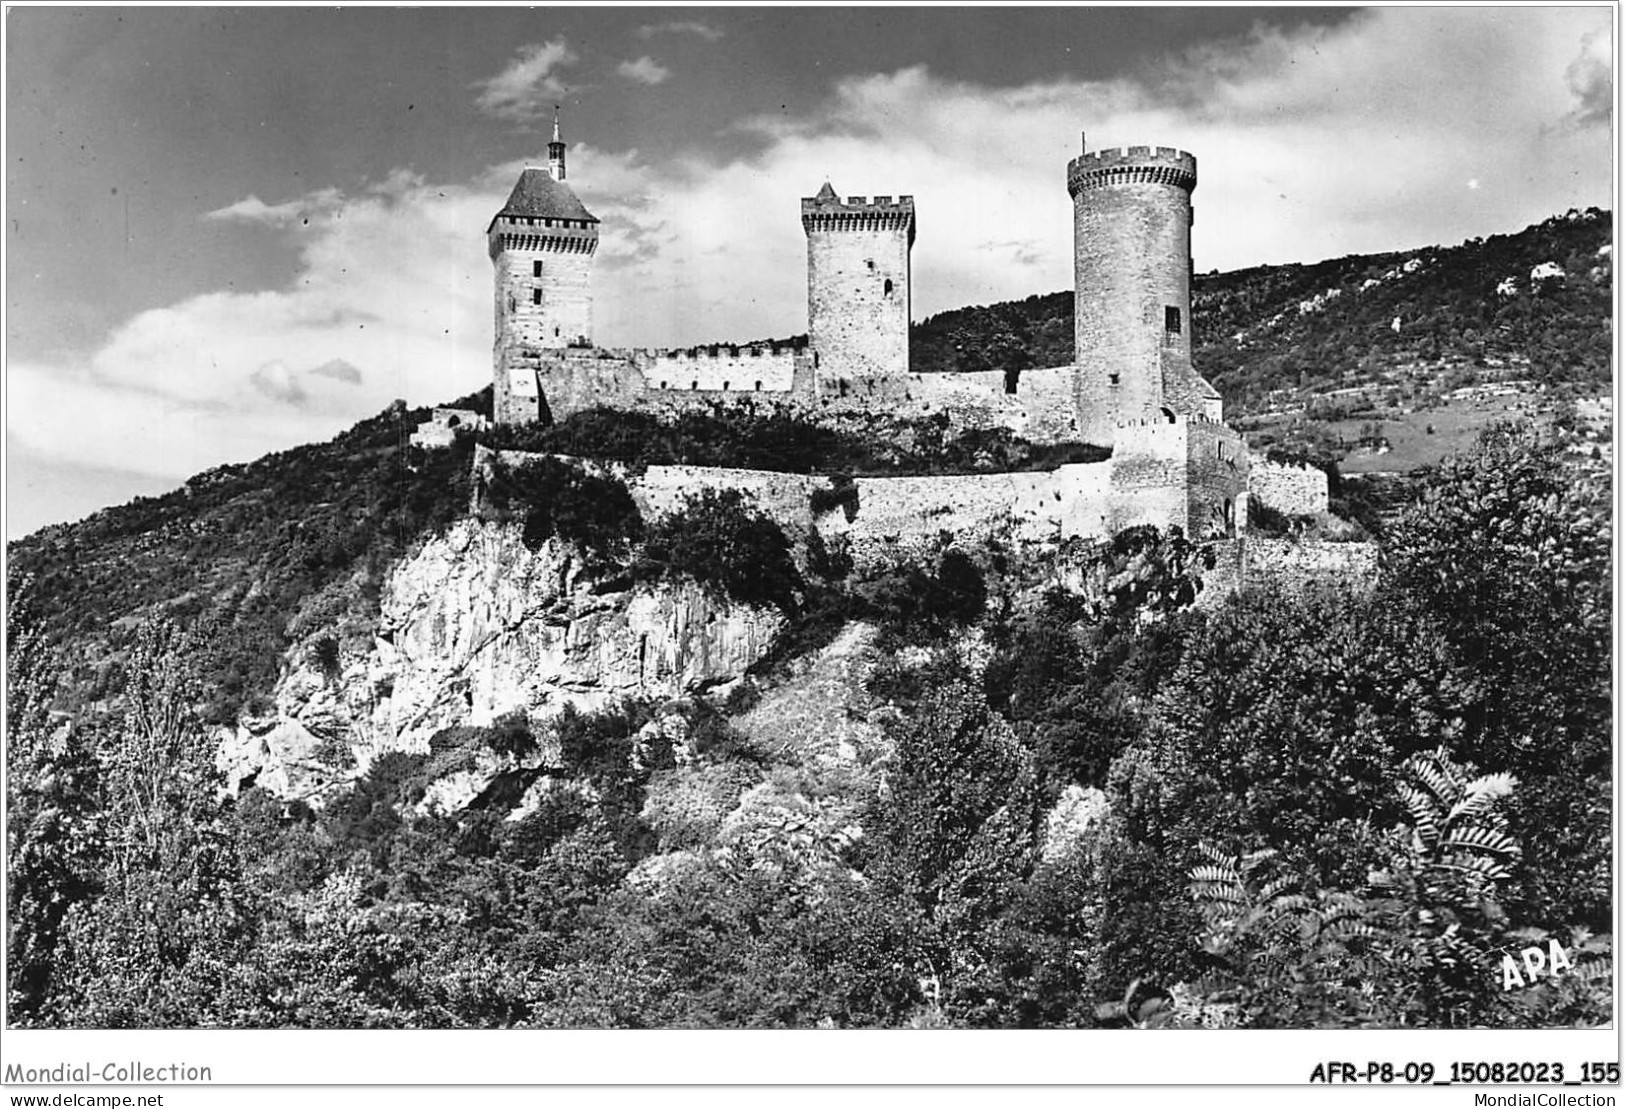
(1297, 490)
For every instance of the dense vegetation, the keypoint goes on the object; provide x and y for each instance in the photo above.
(775, 437)
(255, 556)
(1097, 807)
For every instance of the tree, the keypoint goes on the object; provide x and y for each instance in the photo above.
(1507, 553)
(52, 845)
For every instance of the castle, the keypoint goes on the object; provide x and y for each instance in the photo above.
(1131, 385)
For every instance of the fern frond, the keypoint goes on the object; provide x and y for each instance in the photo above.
(1438, 782)
(1482, 839)
(1216, 874)
(1481, 865)
(1276, 887)
(1424, 815)
(1481, 795)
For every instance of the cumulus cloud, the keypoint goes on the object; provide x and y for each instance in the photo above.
(391, 301)
(276, 381)
(645, 71)
(1311, 145)
(680, 27)
(339, 370)
(251, 209)
(529, 83)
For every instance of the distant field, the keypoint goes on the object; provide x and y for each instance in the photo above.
(1422, 438)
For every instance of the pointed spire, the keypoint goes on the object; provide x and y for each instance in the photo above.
(555, 150)
(827, 194)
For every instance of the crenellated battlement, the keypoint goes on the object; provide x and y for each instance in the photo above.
(827, 212)
(1152, 165)
(566, 237)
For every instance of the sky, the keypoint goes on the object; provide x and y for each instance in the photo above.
(232, 231)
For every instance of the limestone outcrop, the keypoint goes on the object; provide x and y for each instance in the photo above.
(475, 626)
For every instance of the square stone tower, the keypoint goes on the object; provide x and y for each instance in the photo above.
(858, 283)
(541, 245)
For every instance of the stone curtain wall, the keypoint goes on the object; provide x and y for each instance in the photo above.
(1218, 467)
(905, 516)
(720, 369)
(785, 498)
(1294, 490)
(1288, 564)
(576, 380)
(1149, 475)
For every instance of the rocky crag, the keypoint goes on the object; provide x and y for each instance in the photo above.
(474, 626)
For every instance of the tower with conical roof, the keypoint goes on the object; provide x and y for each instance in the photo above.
(541, 245)
(858, 283)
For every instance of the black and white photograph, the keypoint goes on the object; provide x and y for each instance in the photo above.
(811, 518)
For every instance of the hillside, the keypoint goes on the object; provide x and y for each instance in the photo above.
(359, 735)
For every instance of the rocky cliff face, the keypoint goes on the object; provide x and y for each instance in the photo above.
(475, 626)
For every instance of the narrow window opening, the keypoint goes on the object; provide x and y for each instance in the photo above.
(724, 386)
(1011, 378)
(758, 386)
(535, 296)
(1170, 320)
(870, 262)
(536, 268)
(888, 286)
(694, 386)
(1116, 378)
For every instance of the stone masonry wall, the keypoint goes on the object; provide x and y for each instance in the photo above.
(1289, 564)
(1149, 475)
(898, 517)
(1217, 468)
(562, 316)
(858, 301)
(1131, 246)
(785, 498)
(1294, 490)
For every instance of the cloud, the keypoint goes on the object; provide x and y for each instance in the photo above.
(1591, 79)
(339, 370)
(645, 71)
(529, 83)
(393, 300)
(275, 381)
(1311, 145)
(322, 202)
(681, 27)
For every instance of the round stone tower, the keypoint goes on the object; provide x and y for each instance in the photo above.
(1132, 255)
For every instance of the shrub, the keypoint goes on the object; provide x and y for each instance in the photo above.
(594, 512)
(720, 542)
(841, 492)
